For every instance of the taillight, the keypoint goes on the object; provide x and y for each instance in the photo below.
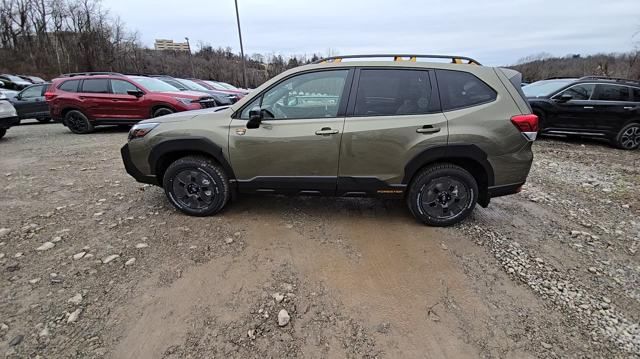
(527, 125)
(49, 96)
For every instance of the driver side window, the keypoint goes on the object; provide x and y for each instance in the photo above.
(34, 91)
(579, 92)
(310, 95)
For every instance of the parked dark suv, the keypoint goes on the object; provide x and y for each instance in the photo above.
(30, 103)
(82, 101)
(589, 106)
(443, 137)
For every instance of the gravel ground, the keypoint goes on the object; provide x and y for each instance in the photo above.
(95, 265)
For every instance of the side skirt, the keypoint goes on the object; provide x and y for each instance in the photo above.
(321, 186)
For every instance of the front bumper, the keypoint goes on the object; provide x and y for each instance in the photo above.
(7, 122)
(133, 171)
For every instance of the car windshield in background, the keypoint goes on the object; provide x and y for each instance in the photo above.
(154, 85)
(228, 86)
(216, 85)
(192, 85)
(545, 87)
(14, 78)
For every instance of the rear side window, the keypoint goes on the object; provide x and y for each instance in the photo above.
(611, 93)
(461, 89)
(70, 86)
(635, 97)
(387, 92)
(95, 86)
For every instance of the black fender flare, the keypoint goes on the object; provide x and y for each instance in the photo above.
(448, 153)
(186, 145)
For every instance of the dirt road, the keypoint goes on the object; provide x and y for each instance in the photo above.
(97, 265)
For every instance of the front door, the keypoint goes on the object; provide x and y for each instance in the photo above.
(576, 114)
(29, 102)
(125, 106)
(296, 147)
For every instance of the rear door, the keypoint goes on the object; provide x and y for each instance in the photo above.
(577, 114)
(394, 113)
(613, 107)
(96, 96)
(125, 106)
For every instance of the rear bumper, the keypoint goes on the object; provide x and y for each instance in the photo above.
(133, 171)
(7, 122)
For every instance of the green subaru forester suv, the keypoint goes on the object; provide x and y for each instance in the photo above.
(441, 135)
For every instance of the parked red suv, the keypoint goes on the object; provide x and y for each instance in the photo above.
(85, 100)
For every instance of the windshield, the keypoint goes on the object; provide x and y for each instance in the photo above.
(154, 85)
(216, 85)
(14, 78)
(228, 86)
(192, 85)
(545, 87)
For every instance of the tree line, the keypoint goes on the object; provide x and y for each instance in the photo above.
(49, 37)
(544, 66)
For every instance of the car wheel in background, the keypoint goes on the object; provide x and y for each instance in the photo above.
(629, 137)
(3, 132)
(442, 194)
(78, 122)
(162, 111)
(196, 186)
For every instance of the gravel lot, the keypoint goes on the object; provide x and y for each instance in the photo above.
(94, 265)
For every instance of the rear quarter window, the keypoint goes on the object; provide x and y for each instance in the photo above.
(69, 86)
(461, 89)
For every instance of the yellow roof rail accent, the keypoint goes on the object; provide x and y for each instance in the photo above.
(455, 59)
(329, 61)
(400, 58)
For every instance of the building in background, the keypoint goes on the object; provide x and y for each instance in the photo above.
(163, 44)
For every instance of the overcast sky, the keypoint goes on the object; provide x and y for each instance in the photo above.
(495, 32)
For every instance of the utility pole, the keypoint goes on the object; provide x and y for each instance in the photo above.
(193, 70)
(244, 69)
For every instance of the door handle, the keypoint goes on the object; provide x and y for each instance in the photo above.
(326, 131)
(588, 107)
(428, 129)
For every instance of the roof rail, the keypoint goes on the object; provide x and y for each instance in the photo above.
(72, 74)
(401, 57)
(606, 78)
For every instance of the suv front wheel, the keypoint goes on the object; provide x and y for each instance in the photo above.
(442, 195)
(196, 186)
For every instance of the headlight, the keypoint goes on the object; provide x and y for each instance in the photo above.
(186, 101)
(140, 130)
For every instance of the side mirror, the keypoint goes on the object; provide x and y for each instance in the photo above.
(565, 97)
(136, 93)
(255, 117)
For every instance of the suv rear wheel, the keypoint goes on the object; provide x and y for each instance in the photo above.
(629, 137)
(78, 122)
(442, 195)
(196, 186)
